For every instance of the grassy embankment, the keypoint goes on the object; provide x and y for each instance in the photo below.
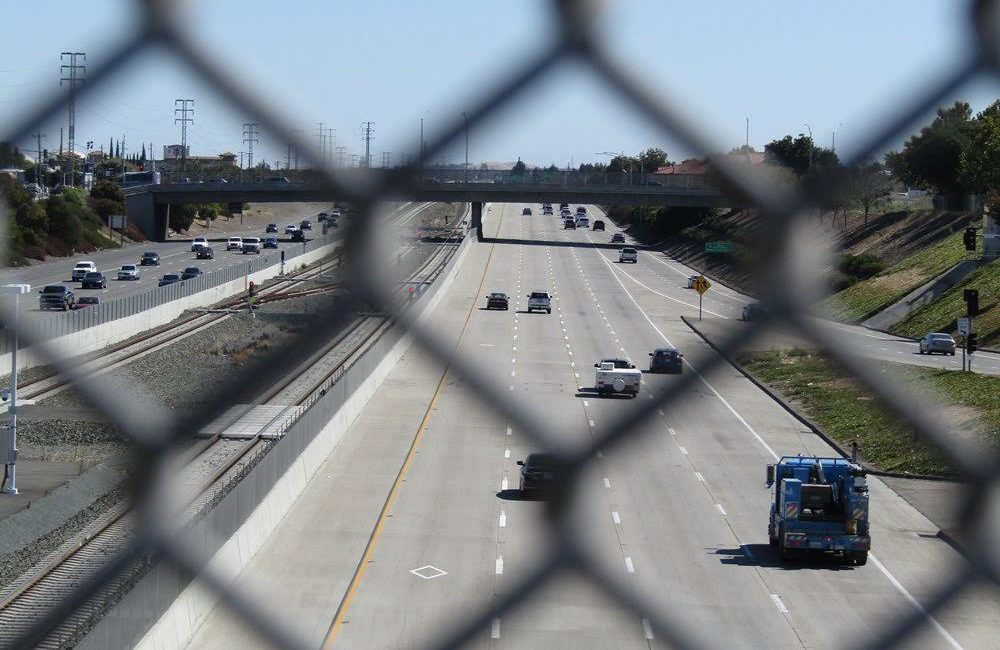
(846, 410)
(942, 314)
(870, 296)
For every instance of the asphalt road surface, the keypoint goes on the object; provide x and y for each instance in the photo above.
(414, 524)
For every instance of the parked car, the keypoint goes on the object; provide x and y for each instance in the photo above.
(205, 253)
(191, 272)
(754, 311)
(526, 211)
(618, 238)
(198, 242)
(251, 245)
(81, 269)
(298, 235)
(617, 376)
(56, 296)
(150, 258)
(94, 280)
(271, 227)
(87, 301)
(666, 360)
(270, 242)
(569, 224)
(540, 473)
(628, 255)
(234, 244)
(937, 342)
(290, 228)
(305, 225)
(539, 301)
(497, 300)
(169, 278)
(598, 224)
(128, 272)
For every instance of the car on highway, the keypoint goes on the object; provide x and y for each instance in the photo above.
(87, 301)
(191, 272)
(618, 238)
(234, 244)
(290, 228)
(526, 212)
(569, 224)
(666, 360)
(566, 214)
(598, 224)
(81, 269)
(540, 473)
(754, 311)
(169, 278)
(564, 206)
(691, 279)
(94, 280)
(628, 255)
(539, 301)
(497, 300)
(582, 221)
(128, 272)
(615, 375)
(298, 235)
(251, 245)
(270, 242)
(322, 216)
(305, 225)
(198, 242)
(271, 227)
(937, 342)
(581, 210)
(150, 258)
(205, 253)
(56, 296)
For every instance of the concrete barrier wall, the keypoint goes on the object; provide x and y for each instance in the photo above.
(109, 333)
(164, 610)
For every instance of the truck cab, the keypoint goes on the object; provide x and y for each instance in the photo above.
(819, 505)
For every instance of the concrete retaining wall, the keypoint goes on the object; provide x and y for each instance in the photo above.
(163, 611)
(921, 296)
(101, 336)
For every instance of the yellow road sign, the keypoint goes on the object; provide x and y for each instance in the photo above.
(701, 284)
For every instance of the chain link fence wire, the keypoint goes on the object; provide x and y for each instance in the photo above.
(783, 210)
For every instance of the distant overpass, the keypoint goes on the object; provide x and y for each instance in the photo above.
(149, 206)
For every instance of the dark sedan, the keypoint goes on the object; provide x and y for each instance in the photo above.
(497, 301)
(191, 272)
(270, 242)
(598, 225)
(666, 360)
(150, 258)
(271, 227)
(169, 278)
(539, 474)
(298, 235)
(94, 280)
(569, 224)
(205, 253)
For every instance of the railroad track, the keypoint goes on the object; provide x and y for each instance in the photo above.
(206, 470)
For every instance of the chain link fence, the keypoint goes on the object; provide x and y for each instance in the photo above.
(792, 287)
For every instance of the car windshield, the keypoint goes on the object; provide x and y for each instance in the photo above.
(128, 267)
(191, 269)
(539, 295)
(941, 337)
(168, 278)
(149, 254)
(498, 295)
(83, 265)
(619, 363)
(543, 461)
(54, 288)
(628, 250)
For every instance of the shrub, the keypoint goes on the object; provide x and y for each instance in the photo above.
(861, 266)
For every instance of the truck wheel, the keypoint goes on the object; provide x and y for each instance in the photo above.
(548, 311)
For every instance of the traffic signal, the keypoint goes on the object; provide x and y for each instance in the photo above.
(970, 239)
(971, 297)
(971, 342)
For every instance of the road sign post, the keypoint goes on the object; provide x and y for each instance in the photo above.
(701, 285)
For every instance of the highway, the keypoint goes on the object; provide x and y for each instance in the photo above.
(175, 256)
(413, 523)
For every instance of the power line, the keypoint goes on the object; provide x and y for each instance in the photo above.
(367, 131)
(181, 106)
(75, 72)
(251, 136)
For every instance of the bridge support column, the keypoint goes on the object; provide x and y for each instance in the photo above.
(477, 220)
(150, 217)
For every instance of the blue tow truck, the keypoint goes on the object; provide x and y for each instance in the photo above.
(819, 505)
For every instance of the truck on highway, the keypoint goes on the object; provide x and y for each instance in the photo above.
(56, 296)
(819, 505)
(617, 376)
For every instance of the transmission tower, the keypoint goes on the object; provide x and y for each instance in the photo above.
(73, 71)
(367, 131)
(38, 159)
(331, 142)
(321, 134)
(184, 107)
(341, 155)
(251, 136)
(386, 159)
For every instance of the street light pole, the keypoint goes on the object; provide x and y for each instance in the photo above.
(466, 118)
(11, 488)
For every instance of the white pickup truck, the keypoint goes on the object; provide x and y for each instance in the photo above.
(617, 376)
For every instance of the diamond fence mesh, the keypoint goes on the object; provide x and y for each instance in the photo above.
(578, 40)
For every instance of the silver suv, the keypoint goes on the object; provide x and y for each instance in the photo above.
(539, 301)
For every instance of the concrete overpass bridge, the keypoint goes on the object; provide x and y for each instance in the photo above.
(148, 206)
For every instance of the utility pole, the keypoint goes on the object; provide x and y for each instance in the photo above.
(466, 118)
(295, 148)
(251, 136)
(330, 145)
(72, 73)
(366, 128)
(38, 160)
(288, 158)
(184, 107)
(748, 133)
(321, 134)
(123, 159)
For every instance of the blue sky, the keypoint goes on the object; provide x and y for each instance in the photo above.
(783, 64)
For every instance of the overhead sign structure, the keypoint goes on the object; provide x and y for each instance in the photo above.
(701, 285)
(718, 247)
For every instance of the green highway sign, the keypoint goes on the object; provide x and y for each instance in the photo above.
(718, 247)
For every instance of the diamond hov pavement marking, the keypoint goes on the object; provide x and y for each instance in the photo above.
(428, 572)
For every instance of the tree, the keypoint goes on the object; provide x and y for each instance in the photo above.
(870, 186)
(799, 154)
(10, 156)
(182, 216)
(981, 160)
(933, 158)
(63, 220)
(652, 159)
(519, 168)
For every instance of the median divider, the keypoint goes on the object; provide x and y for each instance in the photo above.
(163, 610)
